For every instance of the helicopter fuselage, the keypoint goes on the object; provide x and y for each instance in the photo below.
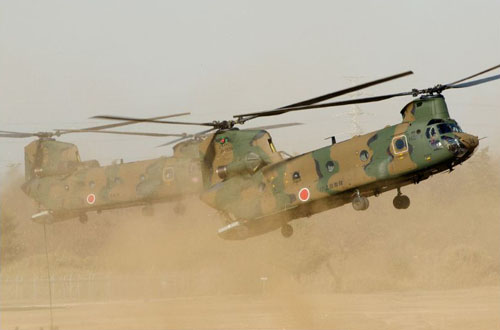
(427, 142)
(66, 187)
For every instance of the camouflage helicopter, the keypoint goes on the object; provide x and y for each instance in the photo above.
(257, 190)
(66, 187)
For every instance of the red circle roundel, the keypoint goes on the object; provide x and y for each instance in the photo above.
(91, 199)
(304, 194)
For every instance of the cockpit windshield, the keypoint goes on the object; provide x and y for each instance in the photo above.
(449, 128)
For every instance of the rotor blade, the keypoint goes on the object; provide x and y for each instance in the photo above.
(130, 123)
(16, 134)
(475, 75)
(186, 137)
(347, 90)
(276, 126)
(145, 120)
(475, 82)
(65, 131)
(324, 105)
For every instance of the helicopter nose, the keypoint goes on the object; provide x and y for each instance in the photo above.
(469, 142)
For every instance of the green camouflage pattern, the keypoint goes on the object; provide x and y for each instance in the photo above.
(66, 187)
(267, 196)
(242, 175)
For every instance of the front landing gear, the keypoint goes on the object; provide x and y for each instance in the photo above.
(286, 230)
(401, 202)
(360, 203)
(148, 211)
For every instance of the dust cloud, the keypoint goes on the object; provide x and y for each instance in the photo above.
(446, 241)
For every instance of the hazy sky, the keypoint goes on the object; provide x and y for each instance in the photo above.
(62, 62)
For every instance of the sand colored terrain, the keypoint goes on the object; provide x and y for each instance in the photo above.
(453, 309)
(433, 266)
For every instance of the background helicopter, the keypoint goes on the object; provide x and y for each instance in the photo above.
(258, 191)
(66, 187)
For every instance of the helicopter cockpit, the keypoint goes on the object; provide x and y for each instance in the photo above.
(440, 135)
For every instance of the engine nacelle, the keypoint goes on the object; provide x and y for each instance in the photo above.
(247, 165)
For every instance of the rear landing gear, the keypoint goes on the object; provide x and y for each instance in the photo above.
(360, 203)
(83, 218)
(401, 202)
(148, 211)
(286, 230)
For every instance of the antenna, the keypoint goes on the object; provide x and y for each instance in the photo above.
(356, 112)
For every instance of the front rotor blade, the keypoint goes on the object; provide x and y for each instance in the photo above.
(475, 82)
(348, 90)
(145, 120)
(130, 123)
(323, 105)
(474, 75)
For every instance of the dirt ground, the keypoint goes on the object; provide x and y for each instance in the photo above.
(469, 309)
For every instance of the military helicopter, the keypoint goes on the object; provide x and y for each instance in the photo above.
(258, 190)
(66, 187)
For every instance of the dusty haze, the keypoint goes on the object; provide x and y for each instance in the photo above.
(433, 266)
(446, 241)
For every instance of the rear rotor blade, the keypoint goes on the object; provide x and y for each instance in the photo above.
(24, 134)
(187, 137)
(275, 126)
(145, 120)
(348, 90)
(65, 131)
(130, 123)
(15, 135)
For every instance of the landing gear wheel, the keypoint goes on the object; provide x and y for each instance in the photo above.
(286, 230)
(148, 211)
(83, 218)
(179, 209)
(401, 202)
(360, 203)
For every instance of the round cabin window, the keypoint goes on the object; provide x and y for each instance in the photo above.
(364, 155)
(330, 166)
(399, 144)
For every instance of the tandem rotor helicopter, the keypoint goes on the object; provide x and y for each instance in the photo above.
(255, 188)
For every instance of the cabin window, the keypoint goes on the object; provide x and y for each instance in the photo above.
(330, 166)
(168, 174)
(364, 155)
(296, 176)
(400, 144)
